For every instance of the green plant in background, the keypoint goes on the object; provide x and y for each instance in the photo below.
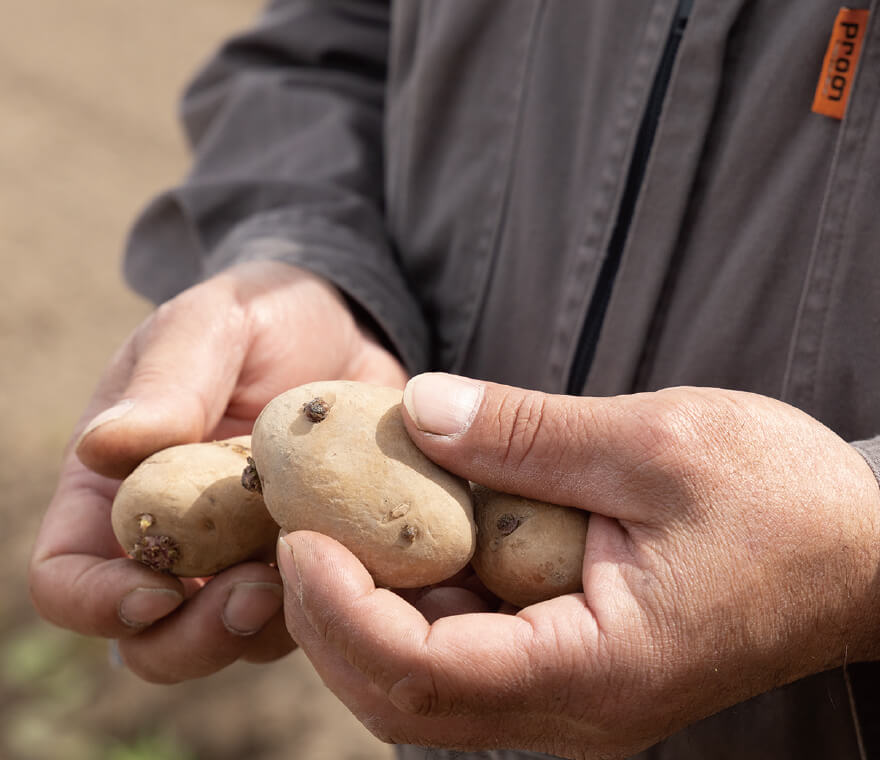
(149, 748)
(47, 671)
(47, 677)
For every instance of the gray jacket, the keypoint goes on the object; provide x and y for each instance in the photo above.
(477, 175)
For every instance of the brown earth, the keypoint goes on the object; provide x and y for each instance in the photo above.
(88, 93)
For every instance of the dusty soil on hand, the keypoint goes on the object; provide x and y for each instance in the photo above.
(88, 134)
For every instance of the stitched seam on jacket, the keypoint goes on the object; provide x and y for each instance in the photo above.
(491, 236)
(601, 215)
(666, 294)
(800, 380)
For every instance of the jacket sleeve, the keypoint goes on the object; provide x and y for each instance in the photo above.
(285, 124)
(870, 450)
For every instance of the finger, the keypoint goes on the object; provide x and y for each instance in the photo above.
(374, 364)
(368, 699)
(79, 576)
(369, 704)
(567, 450)
(514, 440)
(169, 384)
(462, 593)
(236, 615)
(462, 665)
(445, 601)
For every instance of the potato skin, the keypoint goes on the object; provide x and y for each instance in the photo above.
(527, 550)
(184, 510)
(348, 469)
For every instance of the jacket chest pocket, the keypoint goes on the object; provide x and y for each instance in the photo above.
(833, 367)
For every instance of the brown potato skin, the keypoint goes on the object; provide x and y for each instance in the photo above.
(528, 551)
(184, 510)
(347, 468)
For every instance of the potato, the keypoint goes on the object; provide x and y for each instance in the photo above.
(184, 510)
(334, 457)
(527, 550)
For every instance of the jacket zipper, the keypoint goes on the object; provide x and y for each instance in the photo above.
(589, 337)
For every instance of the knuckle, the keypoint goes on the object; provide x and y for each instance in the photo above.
(389, 731)
(679, 438)
(665, 428)
(328, 626)
(65, 599)
(378, 727)
(207, 305)
(417, 694)
(145, 666)
(520, 422)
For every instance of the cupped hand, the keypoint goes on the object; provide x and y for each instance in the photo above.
(733, 547)
(201, 367)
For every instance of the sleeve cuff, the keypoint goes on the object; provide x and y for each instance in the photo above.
(870, 450)
(361, 264)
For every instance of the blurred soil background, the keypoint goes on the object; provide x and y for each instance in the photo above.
(88, 133)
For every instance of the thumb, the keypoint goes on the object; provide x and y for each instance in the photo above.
(170, 383)
(542, 446)
(455, 666)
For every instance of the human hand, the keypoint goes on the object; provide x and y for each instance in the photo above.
(733, 547)
(201, 367)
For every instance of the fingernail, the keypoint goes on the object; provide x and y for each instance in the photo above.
(442, 404)
(250, 606)
(108, 415)
(288, 569)
(144, 606)
(298, 608)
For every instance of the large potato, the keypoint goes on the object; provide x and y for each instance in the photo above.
(527, 550)
(334, 457)
(184, 510)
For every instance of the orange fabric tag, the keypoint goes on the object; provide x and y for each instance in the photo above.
(841, 59)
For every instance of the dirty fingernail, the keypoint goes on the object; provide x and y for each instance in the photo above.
(250, 606)
(144, 606)
(288, 569)
(442, 404)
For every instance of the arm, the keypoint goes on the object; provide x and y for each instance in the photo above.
(286, 126)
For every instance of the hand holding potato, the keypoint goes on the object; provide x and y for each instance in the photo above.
(733, 546)
(200, 368)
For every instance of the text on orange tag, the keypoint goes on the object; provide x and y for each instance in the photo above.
(841, 59)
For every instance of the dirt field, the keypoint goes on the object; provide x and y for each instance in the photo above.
(88, 92)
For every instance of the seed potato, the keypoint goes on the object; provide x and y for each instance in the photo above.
(184, 510)
(334, 457)
(527, 551)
